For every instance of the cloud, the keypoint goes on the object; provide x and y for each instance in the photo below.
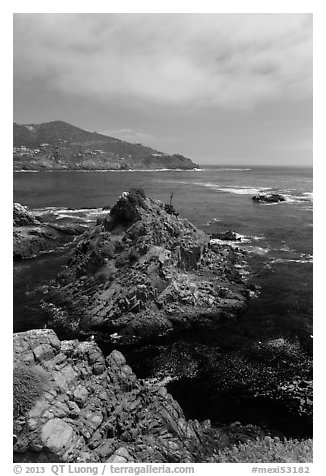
(130, 135)
(193, 60)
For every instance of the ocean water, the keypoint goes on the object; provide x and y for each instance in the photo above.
(278, 237)
(278, 241)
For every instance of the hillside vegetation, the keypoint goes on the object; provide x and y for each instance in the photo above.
(58, 145)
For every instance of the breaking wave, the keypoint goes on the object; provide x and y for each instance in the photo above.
(74, 215)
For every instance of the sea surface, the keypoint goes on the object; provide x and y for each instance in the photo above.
(278, 239)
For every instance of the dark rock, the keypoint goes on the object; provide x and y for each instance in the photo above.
(130, 271)
(268, 198)
(226, 235)
(169, 208)
(125, 211)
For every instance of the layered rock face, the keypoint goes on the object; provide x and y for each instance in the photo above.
(72, 405)
(144, 272)
(32, 236)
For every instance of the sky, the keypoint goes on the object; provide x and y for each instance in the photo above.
(218, 88)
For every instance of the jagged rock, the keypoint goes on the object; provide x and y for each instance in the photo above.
(268, 197)
(23, 217)
(130, 270)
(119, 418)
(31, 236)
(226, 235)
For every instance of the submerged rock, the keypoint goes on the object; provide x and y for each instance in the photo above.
(144, 272)
(269, 198)
(85, 408)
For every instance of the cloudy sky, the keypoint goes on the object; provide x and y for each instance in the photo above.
(218, 88)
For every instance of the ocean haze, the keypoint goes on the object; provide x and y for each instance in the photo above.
(220, 89)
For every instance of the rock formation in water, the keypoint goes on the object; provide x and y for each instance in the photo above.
(226, 236)
(144, 272)
(32, 236)
(268, 198)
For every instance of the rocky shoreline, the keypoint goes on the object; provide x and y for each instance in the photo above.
(31, 236)
(73, 405)
(147, 282)
(90, 409)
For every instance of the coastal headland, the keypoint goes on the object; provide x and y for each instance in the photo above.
(59, 146)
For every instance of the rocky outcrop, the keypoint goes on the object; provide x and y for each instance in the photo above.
(32, 236)
(73, 405)
(144, 272)
(268, 198)
(226, 236)
(23, 217)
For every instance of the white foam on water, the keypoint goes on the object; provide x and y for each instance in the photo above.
(214, 220)
(243, 190)
(295, 198)
(112, 170)
(243, 238)
(304, 258)
(204, 184)
(75, 211)
(97, 211)
(141, 170)
(234, 244)
(245, 243)
(258, 250)
(257, 238)
(26, 171)
(86, 215)
(216, 186)
(284, 248)
(281, 260)
(249, 238)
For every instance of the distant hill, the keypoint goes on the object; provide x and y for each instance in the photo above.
(58, 145)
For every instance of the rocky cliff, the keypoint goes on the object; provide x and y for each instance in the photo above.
(144, 272)
(73, 405)
(58, 145)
